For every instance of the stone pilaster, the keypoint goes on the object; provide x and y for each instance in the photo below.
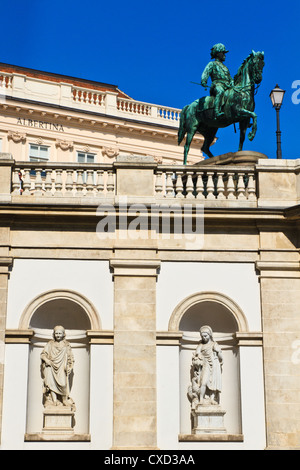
(134, 354)
(4, 271)
(280, 300)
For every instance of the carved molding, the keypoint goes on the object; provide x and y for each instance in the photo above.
(85, 148)
(64, 145)
(16, 136)
(39, 141)
(110, 152)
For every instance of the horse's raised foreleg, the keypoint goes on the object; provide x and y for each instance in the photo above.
(245, 113)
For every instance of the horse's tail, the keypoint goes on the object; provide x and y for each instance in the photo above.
(182, 125)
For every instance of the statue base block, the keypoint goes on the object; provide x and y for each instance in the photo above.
(58, 419)
(208, 419)
(242, 157)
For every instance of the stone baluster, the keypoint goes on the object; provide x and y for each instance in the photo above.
(230, 186)
(99, 99)
(90, 182)
(110, 186)
(9, 82)
(200, 186)
(210, 185)
(189, 185)
(100, 183)
(16, 182)
(251, 187)
(241, 187)
(220, 186)
(58, 185)
(169, 184)
(69, 182)
(76, 96)
(26, 183)
(79, 183)
(158, 183)
(38, 186)
(179, 185)
(48, 182)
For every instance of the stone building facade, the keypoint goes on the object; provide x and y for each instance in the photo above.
(105, 232)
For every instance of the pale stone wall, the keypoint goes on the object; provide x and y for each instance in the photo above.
(280, 315)
(250, 257)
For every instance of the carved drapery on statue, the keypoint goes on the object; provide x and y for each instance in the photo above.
(57, 365)
(206, 371)
(204, 391)
(230, 101)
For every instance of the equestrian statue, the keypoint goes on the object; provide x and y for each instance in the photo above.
(231, 101)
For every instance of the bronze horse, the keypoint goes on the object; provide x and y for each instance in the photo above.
(238, 107)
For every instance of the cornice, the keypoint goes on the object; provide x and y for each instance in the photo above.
(83, 118)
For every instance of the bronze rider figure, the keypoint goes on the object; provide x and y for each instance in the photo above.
(220, 77)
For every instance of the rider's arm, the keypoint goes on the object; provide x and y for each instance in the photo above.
(206, 73)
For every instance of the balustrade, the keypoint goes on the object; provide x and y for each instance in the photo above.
(206, 184)
(134, 107)
(171, 114)
(6, 81)
(62, 180)
(87, 96)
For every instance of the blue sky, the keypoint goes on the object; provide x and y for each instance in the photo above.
(154, 50)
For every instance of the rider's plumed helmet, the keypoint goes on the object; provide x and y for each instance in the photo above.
(216, 49)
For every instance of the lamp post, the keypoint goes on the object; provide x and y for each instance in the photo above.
(276, 96)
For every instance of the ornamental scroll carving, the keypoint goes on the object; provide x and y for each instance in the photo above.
(64, 145)
(111, 152)
(16, 136)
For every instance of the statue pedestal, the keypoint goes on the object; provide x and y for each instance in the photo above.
(242, 157)
(208, 419)
(58, 420)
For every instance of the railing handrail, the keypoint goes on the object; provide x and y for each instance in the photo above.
(63, 165)
(199, 167)
(90, 90)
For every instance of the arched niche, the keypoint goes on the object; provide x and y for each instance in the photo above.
(214, 308)
(225, 318)
(72, 310)
(77, 315)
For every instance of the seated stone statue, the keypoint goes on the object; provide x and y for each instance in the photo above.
(57, 364)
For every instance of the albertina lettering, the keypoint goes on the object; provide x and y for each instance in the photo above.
(50, 126)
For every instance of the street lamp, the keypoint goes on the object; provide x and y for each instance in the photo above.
(276, 96)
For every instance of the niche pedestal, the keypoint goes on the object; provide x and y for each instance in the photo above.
(58, 422)
(208, 419)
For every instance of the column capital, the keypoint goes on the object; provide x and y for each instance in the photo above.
(277, 269)
(134, 267)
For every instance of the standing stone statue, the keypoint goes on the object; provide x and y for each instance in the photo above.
(206, 371)
(57, 364)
